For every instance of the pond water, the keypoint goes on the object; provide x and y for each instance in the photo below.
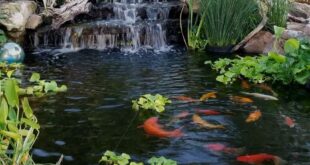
(95, 114)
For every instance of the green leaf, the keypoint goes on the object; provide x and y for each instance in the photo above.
(278, 57)
(10, 73)
(35, 77)
(63, 88)
(13, 135)
(50, 86)
(11, 92)
(4, 110)
(278, 31)
(27, 109)
(291, 46)
(30, 123)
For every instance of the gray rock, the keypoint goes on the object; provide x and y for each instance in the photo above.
(14, 15)
(34, 21)
(296, 30)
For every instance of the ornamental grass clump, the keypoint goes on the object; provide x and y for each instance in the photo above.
(277, 13)
(228, 21)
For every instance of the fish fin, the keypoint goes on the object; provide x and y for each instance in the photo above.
(279, 161)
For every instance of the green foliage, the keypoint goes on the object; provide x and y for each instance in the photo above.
(19, 127)
(195, 37)
(161, 161)
(41, 87)
(111, 158)
(229, 21)
(3, 38)
(151, 102)
(291, 68)
(221, 23)
(277, 12)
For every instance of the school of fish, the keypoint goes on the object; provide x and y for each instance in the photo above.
(153, 128)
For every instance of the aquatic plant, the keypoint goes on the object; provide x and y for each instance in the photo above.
(292, 67)
(151, 102)
(111, 158)
(3, 38)
(19, 127)
(195, 27)
(161, 161)
(277, 13)
(229, 21)
(41, 87)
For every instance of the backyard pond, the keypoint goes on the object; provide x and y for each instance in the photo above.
(95, 114)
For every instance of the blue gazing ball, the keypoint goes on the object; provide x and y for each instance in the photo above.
(11, 53)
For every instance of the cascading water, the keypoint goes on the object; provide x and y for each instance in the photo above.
(128, 25)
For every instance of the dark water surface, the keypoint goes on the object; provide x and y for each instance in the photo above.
(96, 111)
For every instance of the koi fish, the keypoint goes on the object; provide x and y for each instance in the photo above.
(181, 115)
(245, 84)
(206, 96)
(198, 120)
(218, 147)
(262, 96)
(257, 159)
(152, 128)
(267, 88)
(209, 112)
(289, 121)
(242, 100)
(186, 99)
(254, 116)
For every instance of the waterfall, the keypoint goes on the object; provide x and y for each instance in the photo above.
(128, 25)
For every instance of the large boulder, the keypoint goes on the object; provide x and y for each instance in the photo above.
(34, 21)
(14, 15)
(262, 42)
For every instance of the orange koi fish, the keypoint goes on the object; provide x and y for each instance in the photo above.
(254, 116)
(260, 158)
(218, 147)
(186, 99)
(198, 120)
(289, 121)
(152, 128)
(206, 96)
(267, 88)
(209, 112)
(181, 115)
(245, 84)
(242, 100)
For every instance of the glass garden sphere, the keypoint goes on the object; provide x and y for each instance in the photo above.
(11, 53)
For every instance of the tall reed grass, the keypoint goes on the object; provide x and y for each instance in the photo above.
(278, 13)
(229, 21)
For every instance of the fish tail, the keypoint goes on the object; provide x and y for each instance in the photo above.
(178, 132)
(279, 161)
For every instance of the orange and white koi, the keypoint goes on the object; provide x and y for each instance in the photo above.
(207, 96)
(153, 128)
(208, 112)
(254, 116)
(242, 100)
(186, 99)
(218, 147)
(258, 159)
(198, 120)
(289, 121)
